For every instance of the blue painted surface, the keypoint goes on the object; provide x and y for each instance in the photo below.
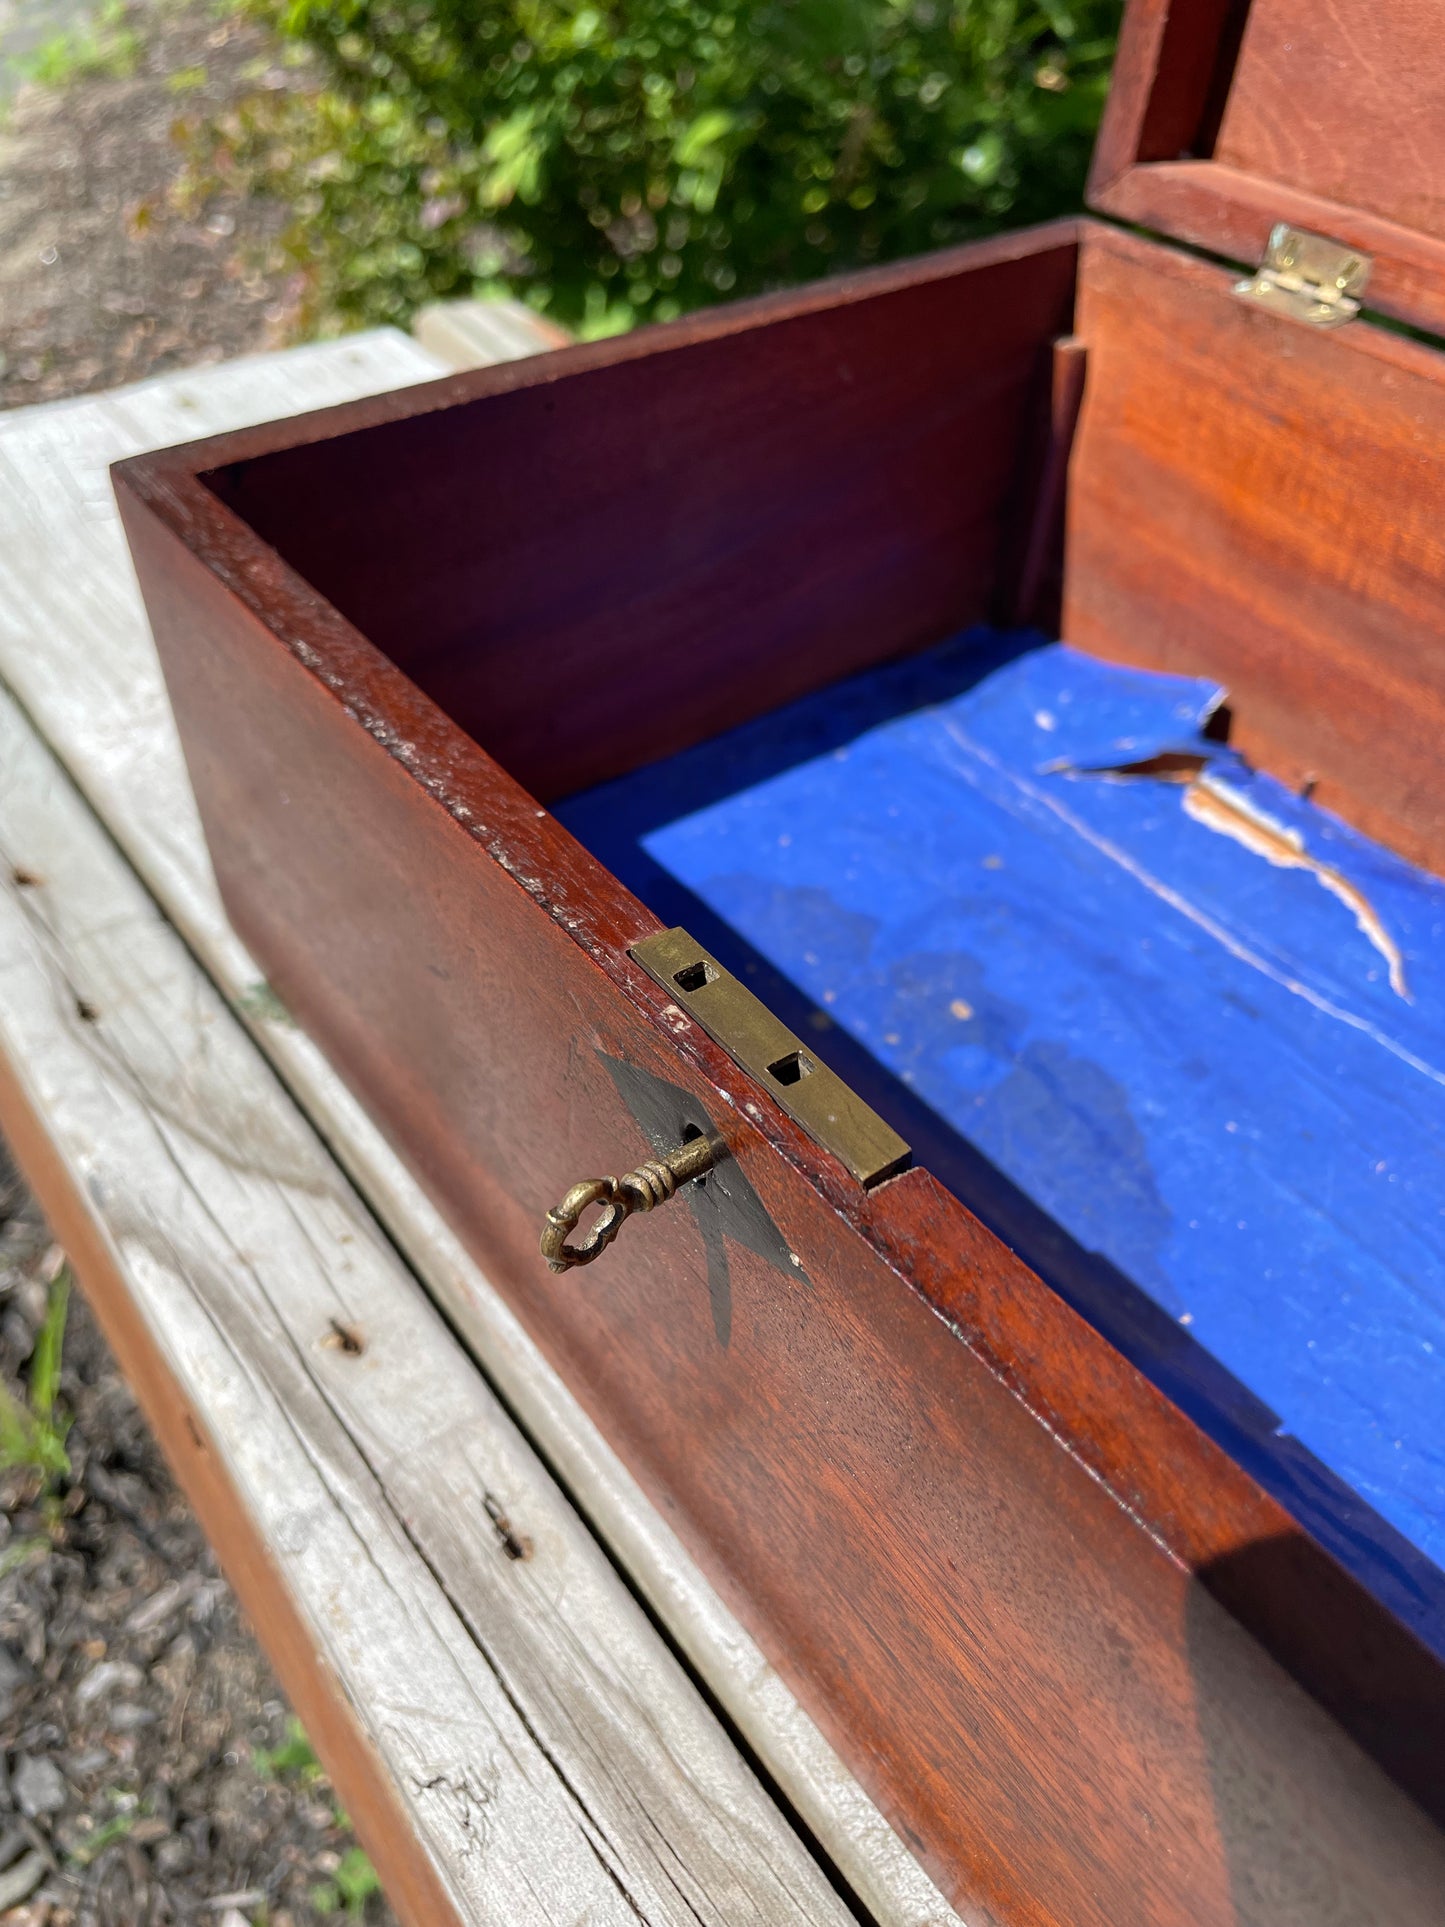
(1176, 1074)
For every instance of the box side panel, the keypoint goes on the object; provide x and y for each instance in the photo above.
(1255, 501)
(1058, 1717)
(700, 531)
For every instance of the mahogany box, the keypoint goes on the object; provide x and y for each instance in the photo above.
(1004, 1441)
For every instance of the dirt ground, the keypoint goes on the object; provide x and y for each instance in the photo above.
(150, 1770)
(105, 274)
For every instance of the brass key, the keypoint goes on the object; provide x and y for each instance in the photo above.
(651, 1184)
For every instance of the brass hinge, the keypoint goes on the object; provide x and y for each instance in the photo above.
(1308, 277)
(816, 1097)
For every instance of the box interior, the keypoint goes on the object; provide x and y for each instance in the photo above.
(607, 564)
(1175, 1030)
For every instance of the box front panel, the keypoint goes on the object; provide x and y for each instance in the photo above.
(1057, 1716)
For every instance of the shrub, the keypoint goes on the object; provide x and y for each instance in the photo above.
(610, 163)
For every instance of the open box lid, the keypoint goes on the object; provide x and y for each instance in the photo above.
(1228, 118)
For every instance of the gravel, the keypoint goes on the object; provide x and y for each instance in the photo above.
(108, 272)
(137, 1708)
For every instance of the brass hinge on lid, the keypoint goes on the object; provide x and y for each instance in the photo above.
(1308, 277)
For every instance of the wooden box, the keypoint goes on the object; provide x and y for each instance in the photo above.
(1104, 1641)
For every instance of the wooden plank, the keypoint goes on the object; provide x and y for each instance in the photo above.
(475, 334)
(515, 1742)
(75, 646)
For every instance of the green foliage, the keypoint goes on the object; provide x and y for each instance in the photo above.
(103, 46)
(32, 1432)
(349, 1888)
(118, 1827)
(615, 162)
(354, 1881)
(295, 1758)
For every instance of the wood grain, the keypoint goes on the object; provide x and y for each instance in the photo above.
(963, 1527)
(515, 1742)
(1344, 102)
(75, 644)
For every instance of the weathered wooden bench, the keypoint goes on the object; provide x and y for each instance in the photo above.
(504, 1655)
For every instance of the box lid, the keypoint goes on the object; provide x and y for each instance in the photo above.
(1229, 117)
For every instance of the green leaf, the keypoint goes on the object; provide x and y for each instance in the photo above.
(513, 152)
(105, 1835)
(701, 134)
(356, 1881)
(32, 1435)
(295, 1755)
(45, 1359)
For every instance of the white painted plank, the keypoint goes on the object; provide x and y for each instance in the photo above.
(554, 1757)
(73, 633)
(477, 334)
(75, 647)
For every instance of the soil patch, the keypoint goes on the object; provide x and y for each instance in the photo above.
(108, 271)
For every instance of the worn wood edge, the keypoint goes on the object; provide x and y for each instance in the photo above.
(763, 1873)
(367, 1790)
(83, 658)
